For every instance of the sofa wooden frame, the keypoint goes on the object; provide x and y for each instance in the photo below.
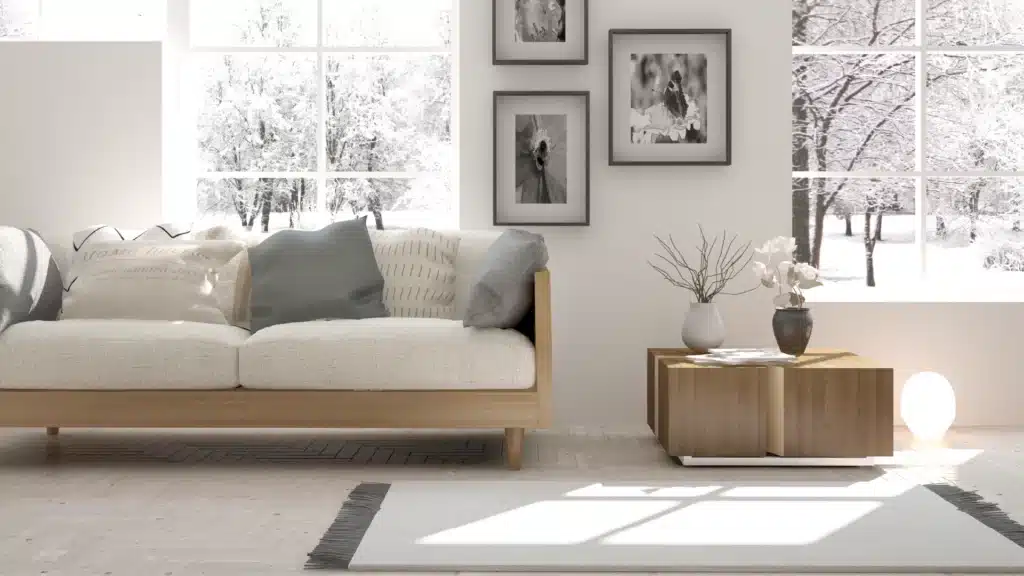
(513, 410)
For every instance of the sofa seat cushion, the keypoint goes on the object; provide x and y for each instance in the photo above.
(386, 354)
(119, 355)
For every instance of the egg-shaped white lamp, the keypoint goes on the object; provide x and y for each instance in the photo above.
(928, 405)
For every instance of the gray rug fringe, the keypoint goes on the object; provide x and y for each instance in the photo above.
(339, 544)
(987, 513)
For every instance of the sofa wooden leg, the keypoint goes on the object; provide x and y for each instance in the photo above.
(514, 448)
(52, 430)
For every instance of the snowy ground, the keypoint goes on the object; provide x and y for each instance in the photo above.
(897, 260)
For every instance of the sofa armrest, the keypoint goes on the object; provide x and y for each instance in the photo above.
(542, 342)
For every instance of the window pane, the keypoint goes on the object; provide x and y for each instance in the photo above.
(854, 112)
(854, 22)
(18, 18)
(975, 22)
(253, 22)
(847, 212)
(400, 202)
(974, 230)
(389, 113)
(289, 203)
(257, 113)
(976, 122)
(388, 22)
(104, 20)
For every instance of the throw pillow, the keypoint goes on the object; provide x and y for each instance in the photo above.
(148, 281)
(240, 291)
(96, 234)
(300, 276)
(222, 232)
(30, 285)
(104, 233)
(503, 292)
(165, 232)
(229, 282)
(418, 266)
(227, 275)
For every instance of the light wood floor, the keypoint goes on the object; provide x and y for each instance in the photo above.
(237, 503)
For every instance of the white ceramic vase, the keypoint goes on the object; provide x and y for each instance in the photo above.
(703, 328)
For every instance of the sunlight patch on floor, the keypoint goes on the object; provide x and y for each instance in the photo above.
(554, 523)
(746, 523)
(606, 491)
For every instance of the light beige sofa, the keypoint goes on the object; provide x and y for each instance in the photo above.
(380, 373)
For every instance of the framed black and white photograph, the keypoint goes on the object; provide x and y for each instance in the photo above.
(670, 97)
(537, 32)
(542, 158)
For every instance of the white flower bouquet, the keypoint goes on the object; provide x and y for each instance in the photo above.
(775, 267)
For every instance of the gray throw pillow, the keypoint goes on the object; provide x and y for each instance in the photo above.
(299, 276)
(30, 284)
(503, 293)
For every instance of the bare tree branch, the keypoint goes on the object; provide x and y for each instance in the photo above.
(719, 262)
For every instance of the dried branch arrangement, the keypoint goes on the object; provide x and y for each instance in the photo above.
(719, 262)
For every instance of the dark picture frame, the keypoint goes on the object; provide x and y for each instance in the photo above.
(616, 123)
(498, 59)
(573, 176)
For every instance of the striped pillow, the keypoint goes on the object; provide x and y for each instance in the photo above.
(418, 266)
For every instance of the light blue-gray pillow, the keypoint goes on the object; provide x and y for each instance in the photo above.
(299, 276)
(30, 284)
(503, 292)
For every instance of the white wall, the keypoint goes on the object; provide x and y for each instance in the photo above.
(979, 347)
(609, 306)
(80, 136)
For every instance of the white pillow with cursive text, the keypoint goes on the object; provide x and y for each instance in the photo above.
(150, 281)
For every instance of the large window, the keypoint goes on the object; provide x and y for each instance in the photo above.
(308, 111)
(908, 141)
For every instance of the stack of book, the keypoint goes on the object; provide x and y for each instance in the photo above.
(742, 357)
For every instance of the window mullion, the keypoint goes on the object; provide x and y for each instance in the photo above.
(321, 110)
(920, 195)
(921, 189)
(856, 51)
(179, 116)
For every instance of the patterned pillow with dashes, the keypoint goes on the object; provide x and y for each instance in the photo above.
(418, 266)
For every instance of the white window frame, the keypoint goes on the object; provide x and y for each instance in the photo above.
(181, 158)
(927, 290)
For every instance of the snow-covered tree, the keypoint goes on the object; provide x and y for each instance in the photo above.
(17, 17)
(385, 112)
(259, 115)
(850, 112)
(975, 23)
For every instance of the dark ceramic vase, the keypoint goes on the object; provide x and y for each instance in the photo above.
(793, 328)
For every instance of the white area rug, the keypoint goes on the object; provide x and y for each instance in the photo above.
(881, 525)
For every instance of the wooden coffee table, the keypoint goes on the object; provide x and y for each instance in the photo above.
(829, 408)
